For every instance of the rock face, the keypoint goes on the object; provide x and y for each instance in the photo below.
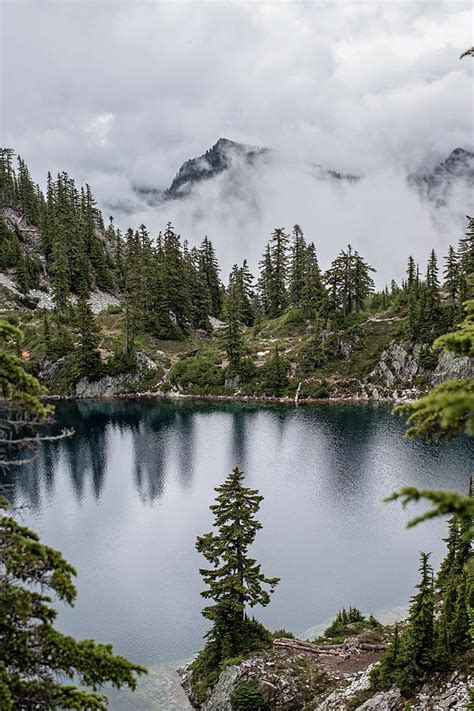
(108, 386)
(399, 371)
(343, 695)
(454, 172)
(451, 367)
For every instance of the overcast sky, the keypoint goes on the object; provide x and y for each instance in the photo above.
(121, 93)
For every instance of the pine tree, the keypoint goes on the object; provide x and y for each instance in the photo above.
(414, 659)
(175, 285)
(8, 187)
(313, 294)
(264, 284)
(59, 270)
(235, 581)
(451, 278)
(200, 298)
(231, 333)
(298, 268)
(277, 292)
(466, 262)
(35, 657)
(275, 374)
(210, 268)
(88, 354)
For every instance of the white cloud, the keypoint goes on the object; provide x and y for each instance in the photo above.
(121, 93)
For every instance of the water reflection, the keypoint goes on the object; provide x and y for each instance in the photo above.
(163, 435)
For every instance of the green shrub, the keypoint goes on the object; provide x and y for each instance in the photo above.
(198, 371)
(113, 309)
(121, 363)
(247, 697)
(428, 358)
(274, 375)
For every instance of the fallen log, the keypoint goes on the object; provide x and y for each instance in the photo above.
(341, 650)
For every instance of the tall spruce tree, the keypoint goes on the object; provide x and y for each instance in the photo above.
(411, 658)
(88, 354)
(298, 264)
(210, 268)
(277, 291)
(231, 334)
(235, 581)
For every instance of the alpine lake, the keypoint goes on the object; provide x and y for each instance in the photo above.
(126, 496)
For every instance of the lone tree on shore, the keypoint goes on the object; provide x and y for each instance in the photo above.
(235, 580)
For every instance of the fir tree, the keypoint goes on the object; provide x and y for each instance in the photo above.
(210, 269)
(35, 657)
(451, 278)
(275, 374)
(88, 354)
(313, 293)
(277, 292)
(235, 581)
(231, 333)
(414, 660)
(298, 268)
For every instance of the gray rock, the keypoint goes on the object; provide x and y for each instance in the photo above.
(452, 367)
(220, 697)
(108, 386)
(383, 701)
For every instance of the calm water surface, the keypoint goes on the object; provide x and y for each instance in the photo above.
(125, 498)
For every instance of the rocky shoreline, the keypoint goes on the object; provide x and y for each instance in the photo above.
(299, 675)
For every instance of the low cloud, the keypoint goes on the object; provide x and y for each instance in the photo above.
(121, 93)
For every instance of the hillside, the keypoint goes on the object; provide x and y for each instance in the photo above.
(111, 314)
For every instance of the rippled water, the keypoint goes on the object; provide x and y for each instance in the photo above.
(125, 498)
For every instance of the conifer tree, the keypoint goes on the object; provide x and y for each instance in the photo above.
(414, 658)
(278, 296)
(275, 374)
(210, 268)
(35, 657)
(466, 262)
(231, 333)
(313, 293)
(451, 278)
(88, 354)
(298, 268)
(235, 581)
(264, 284)
(8, 187)
(174, 279)
(200, 298)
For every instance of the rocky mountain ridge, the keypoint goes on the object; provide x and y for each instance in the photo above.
(435, 185)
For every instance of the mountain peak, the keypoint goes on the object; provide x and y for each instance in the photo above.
(214, 161)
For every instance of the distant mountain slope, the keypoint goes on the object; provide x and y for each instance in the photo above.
(214, 161)
(438, 185)
(233, 158)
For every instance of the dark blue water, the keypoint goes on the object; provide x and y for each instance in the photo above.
(125, 498)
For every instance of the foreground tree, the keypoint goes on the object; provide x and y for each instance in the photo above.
(410, 656)
(235, 581)
(35, 658)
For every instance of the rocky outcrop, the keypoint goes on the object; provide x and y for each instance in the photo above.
(402, 373)
(107, 386)
(291, 678)
(399, 363)
(452, 367)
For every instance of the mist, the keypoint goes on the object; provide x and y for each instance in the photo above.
(380, 215)
(120, 94)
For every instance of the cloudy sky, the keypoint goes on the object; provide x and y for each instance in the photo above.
(121, 93)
